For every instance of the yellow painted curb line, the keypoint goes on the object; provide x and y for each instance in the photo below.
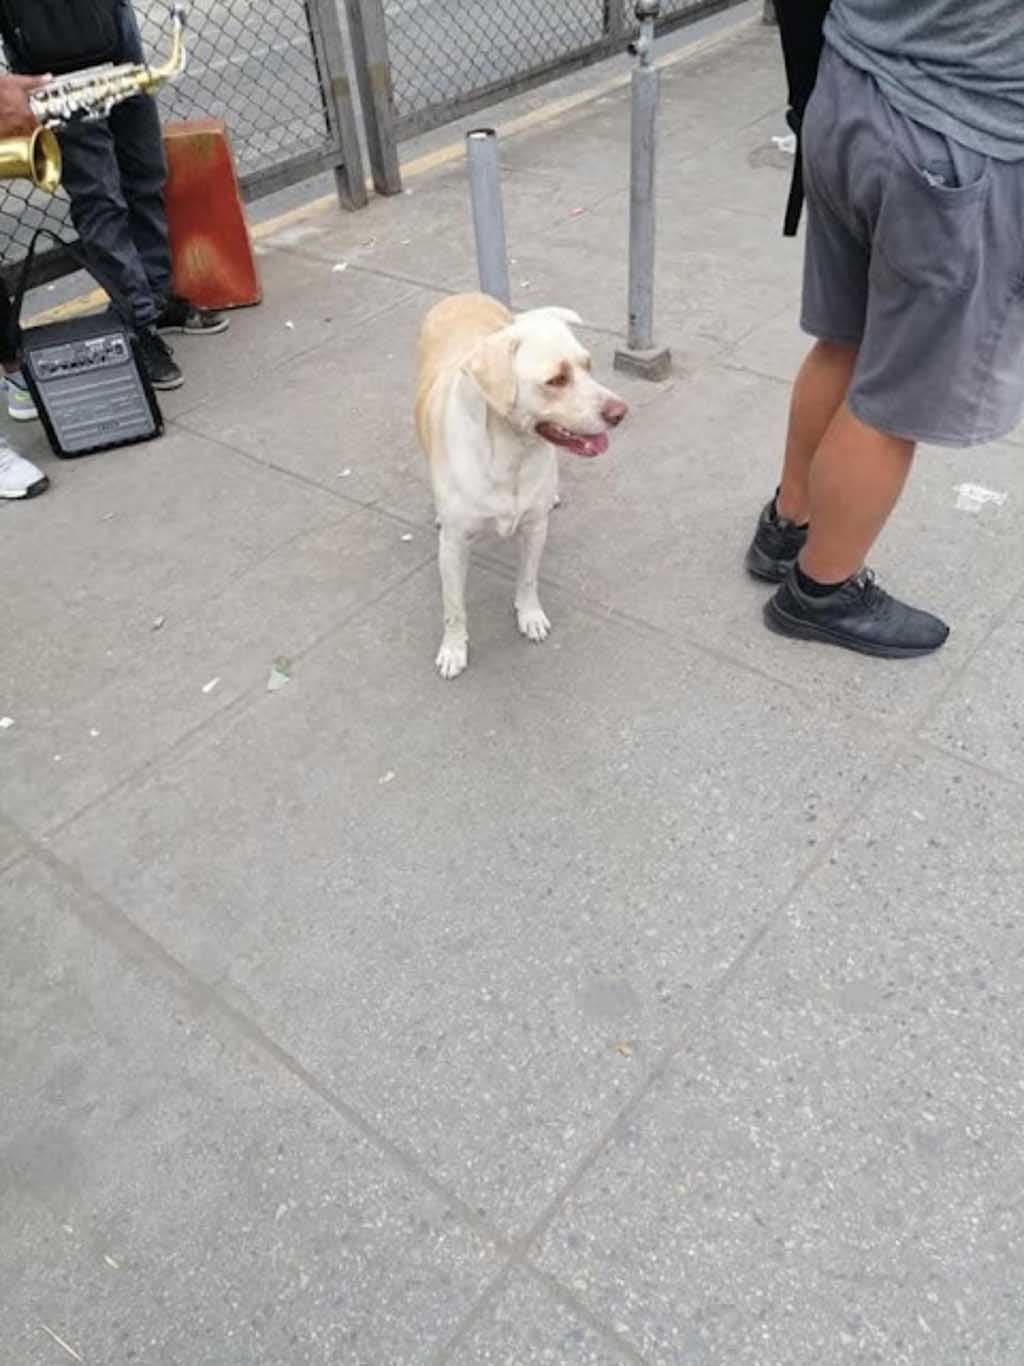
(433, 161)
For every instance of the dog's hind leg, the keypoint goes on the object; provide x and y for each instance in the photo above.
(533, 532)
(453, 559)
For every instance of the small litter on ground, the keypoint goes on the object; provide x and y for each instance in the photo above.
(973, 497)
(280, 674)
(209, 687)
(60, 1342)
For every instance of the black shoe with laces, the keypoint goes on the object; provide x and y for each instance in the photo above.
(158, 358)
(181, 316)
(859, 615)
(775, 547)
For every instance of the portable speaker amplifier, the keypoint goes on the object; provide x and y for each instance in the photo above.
(89, 386)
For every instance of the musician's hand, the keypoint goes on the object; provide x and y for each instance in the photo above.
(15, 115)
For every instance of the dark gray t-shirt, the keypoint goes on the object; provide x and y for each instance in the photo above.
(954, 65)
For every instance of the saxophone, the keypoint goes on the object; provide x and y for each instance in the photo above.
(79, 96)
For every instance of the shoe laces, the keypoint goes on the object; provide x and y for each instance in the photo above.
(871, 592)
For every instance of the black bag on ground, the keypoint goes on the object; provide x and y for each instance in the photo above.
(801, 23)
(58, 36)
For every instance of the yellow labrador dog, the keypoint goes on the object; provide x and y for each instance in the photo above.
(498, 392)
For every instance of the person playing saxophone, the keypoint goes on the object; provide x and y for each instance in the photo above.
(115, 170)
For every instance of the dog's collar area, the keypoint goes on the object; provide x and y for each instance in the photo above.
(580, 443)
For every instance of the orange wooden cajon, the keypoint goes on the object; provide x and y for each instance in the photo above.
(213, 261)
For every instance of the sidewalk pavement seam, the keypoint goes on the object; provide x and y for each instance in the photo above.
(16, 856)
(304, 481)
(109, 921)
(996, 624)
(181, 747)
(738, 368)
(475, 1315)
(553, 1288)
(562, 1293)
(937, 750)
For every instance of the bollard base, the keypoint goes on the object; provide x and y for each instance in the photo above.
(655, 364)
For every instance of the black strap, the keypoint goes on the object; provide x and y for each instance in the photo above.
(801, 29)
(77, 254)
(795, 202)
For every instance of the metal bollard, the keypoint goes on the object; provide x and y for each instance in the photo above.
(488, 213)
(640, 356)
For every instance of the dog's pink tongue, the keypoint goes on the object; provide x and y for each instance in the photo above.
(594, 445)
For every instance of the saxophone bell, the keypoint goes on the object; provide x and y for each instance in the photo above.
(35, 158)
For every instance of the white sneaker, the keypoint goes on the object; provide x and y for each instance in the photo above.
(19, 400)
(18, 478)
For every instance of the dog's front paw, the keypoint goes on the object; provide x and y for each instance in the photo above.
(452, 657)
(533, 623)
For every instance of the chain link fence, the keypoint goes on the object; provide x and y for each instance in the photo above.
(443, 52)
(448, 56)
(257, 65)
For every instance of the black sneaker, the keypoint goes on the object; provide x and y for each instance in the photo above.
(859, 616)
(775, 547)
(181, 316)
(158, 358)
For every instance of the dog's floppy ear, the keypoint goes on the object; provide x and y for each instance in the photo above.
(492, 367)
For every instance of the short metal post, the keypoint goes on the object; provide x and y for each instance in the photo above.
(768, 15)
(640, 356)
(488, 212)
(329, 52)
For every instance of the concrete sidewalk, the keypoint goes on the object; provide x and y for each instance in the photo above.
(651, 997)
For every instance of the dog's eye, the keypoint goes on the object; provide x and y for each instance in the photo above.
(560, 380)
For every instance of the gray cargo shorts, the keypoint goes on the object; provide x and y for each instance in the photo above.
(914, 252)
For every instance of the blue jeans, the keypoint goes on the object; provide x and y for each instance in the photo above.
(114, 173)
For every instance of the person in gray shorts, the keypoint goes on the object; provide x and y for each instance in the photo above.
(914, 287)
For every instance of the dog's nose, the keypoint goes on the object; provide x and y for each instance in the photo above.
(614, 411)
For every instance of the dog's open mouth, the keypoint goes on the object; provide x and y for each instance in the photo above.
(578, 442)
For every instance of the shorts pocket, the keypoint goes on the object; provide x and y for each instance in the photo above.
(931, 234)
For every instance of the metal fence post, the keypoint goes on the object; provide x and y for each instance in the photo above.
(640, 356)
(488, 213)
(368, 32)
(329, 51)
(768, 15)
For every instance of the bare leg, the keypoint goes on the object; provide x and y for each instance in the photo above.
(856, 479)
(819, 391)
(532, 535)
(453, 560)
